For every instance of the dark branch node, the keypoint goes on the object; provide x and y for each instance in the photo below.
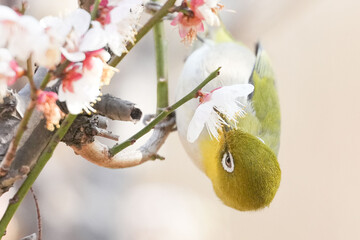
(8, 107)
(8, 122)
(82, 131)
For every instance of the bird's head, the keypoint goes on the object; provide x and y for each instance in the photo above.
(244, 171)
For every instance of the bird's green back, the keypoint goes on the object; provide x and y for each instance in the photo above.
(265, 100)
(266, 122)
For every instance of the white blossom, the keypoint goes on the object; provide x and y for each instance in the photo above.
(18, 33)
(120, 19)
(74, 35)
(203, 11)
(209, 11)
(85, 87)
(47, 51)
(81, 39)
(223, 100)
(24, 35)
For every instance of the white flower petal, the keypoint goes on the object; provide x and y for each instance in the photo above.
(119, 13)
(232, 92)
(224, 100)
(209, 11)
(74, 107)
(73, 56)
(31, 24)
(196, 125)
(79, 20)
(4, 35)
(105, 55)
(47, 54)
(86, 89)
(6, 71)
(213, 123)
(24, 36)
(93, 40)
(7, 13)
(5, 55)
(115, 40)
(210, 17)
(56, 27)
(124, 19)
(3, 90)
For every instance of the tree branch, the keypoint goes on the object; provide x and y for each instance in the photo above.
(8, 121)
(119, 147)
(99, 153)
(161, 67)
(85, 4)
(10, 155)
(163, 124)
(36, 134)
(40, 164)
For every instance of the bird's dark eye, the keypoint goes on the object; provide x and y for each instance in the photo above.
(227, 162)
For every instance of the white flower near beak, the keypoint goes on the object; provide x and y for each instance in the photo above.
(215, 106)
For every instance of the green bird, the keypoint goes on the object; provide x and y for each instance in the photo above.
(241, 113)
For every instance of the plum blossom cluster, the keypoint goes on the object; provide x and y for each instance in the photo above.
(191, 22)
(77, 41)
(218, 108)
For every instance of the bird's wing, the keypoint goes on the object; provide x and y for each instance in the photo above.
(265, 100)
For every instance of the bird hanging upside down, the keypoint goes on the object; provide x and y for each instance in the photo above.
(232, 131)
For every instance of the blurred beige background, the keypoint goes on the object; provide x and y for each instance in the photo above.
(314, 46)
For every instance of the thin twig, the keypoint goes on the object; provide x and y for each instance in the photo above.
(101, 155)
(161, 66)
(85, 4)
(119, 147)
(38, 214)
(98, 153)
(40, 164)
(10, 154)
(30, 76)
(94, 12)
(106, 134)
(47, 153)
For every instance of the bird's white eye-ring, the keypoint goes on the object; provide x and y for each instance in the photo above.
(228, 162)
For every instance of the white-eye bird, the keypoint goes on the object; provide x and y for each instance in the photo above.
(233, 132)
